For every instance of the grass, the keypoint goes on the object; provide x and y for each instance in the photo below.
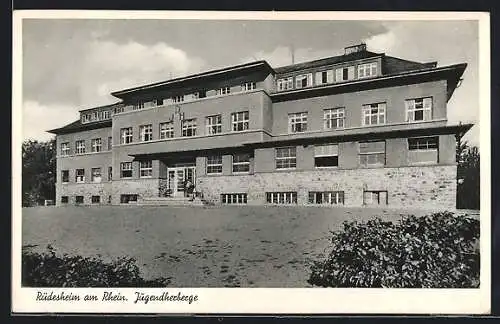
(198, 247)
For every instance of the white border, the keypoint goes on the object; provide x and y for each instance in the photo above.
(264, 300)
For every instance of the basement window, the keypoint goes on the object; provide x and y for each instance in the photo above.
(79, 199)
(375, 197)
(234, 198)
(281, 198)
(128, 199)
(64, 199)
(326, 197)
(96, 199)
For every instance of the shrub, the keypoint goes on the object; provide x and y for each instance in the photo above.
(49, 270)
(435, 251)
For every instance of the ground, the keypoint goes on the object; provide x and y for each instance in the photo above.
(199, 246)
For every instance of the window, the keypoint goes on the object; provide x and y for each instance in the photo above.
(158, 101)
(128, 199)
(334, 118)
(126, 170)
(177, 99)
(214, 164)
(110, 143)
(106, 114)
(303, 80)
(418, 109)
(110, 173)
(118, 110)
(166, 130)
(213, 124)
(189, 127)
(286, 157)
(146, 132)
(326, 155)
(234, 198)
(423, 150)
(367, 70)
(138, 105)
(80, 147)
(324, 77)
(374, 114)
(79, 199)
(126, 135)
(378, 197)
(146, 169)
(326, 197)
(65, 176)
(344, 74)
(372, 153)
(80, 175)
(199, 94)
(240, 121)
(96, 175)
(223, 91)
(247, 86)
(281, 197)
(285, 84)
(241, 162)
(96, 145)
(96, 199)
(65, 151)
(297, 122)
(64, 199)
(86, 118)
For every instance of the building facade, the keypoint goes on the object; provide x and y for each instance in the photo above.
(356, 129)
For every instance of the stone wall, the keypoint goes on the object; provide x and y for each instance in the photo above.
(142, 187)
(87, 190)
(432, 187)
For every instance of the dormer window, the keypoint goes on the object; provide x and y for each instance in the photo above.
(138, 105)
(247, 86)
(303, 81)
(367, 70)
(223, 91)
(284, 84)
(344, 74)
(177, 99)
(324, 77)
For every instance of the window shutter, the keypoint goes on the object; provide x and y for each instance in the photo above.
(318, 78)
(350, 73)
(297, 82)
(329, 76)
(309, 79)
(427, 103)
(338, 75)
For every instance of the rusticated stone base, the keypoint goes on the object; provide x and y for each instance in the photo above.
(422, 187)
(87, 190)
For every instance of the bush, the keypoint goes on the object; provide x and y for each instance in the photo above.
(49, 270)
(435, 251)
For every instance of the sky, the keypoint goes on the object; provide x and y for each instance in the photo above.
(74, 64)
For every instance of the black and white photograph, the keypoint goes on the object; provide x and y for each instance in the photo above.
(164, 154)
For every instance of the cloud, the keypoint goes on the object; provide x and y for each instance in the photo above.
(382, 42)
(38, 118)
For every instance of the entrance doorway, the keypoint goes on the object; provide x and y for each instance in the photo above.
(178, 176)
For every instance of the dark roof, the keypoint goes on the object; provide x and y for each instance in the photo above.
(327, 61)
(116, 104)
(394, 65)
(246, 66)
(77, 126)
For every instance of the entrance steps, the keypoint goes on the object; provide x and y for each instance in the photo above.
(169, 201)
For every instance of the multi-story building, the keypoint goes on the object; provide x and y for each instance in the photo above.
(356, 129)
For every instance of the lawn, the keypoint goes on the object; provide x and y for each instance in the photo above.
(198, 246)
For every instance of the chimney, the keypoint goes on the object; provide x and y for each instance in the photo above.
(355, 48)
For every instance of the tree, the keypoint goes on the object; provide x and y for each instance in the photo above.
(468, 179)
(39, 171)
